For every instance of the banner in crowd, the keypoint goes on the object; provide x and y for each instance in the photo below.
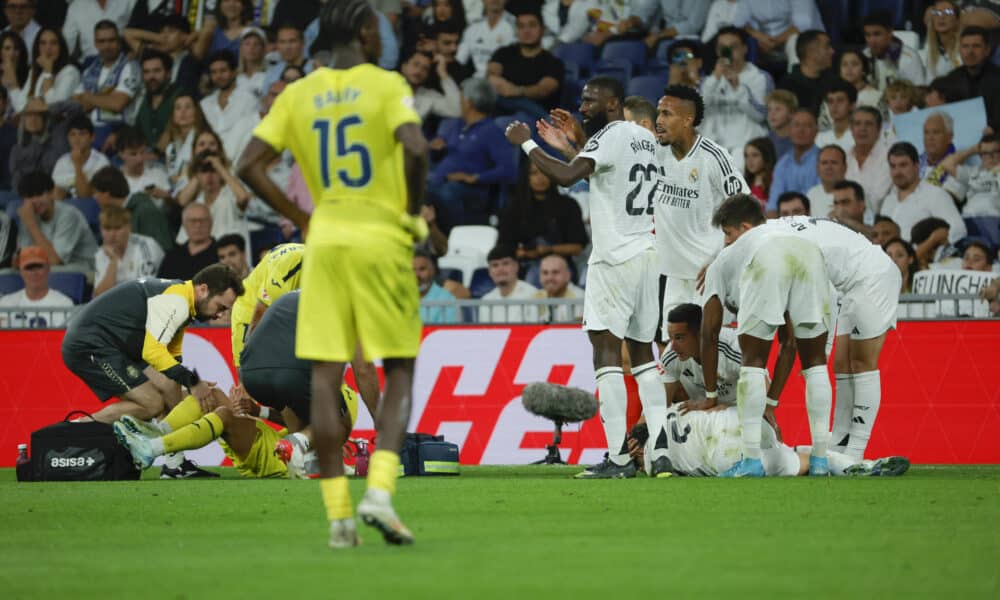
(954, 282)
(941, 399)
(969, 117)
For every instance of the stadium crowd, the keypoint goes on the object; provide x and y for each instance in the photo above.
(121, 122)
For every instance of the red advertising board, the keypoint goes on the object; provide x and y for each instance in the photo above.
(940, 403)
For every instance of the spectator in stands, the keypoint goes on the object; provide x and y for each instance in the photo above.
(213, 184)
(734, 94)
(978, 185)
(866, 161)
(940, 53)
(940, 92)
(446, 102)
(447, 37)
(813, 76)
(232, 251)
(855, 68)
(929, 237)
(109, 84)
(184, 260)
(124, 255)
(476, 159)
(978, 76)
(902, 253)
(172, 40)
(186, 120)
(41, 140)
(525, 76)
(831, 167)
(900, 98)
(14, 66)
(8, 240)
(539, 221)
(252, 67)
(793, 204)
(73, 170)
(721, 14)
(111, 190)
(426, 270)
(685, 63)
(8, 139)
(884, 229)
(758, 167)
(291, 50)
(977, 257)
(780, 106)
(684, 18)
(36, 296)
(503, 267)
(154, 111)
(554, 275)
(142, 175)
(83, 17)
(567, 19)
(849, 207)
(772, 23)
(54, 77)
(891, 58)
(840, 100)
(61, 230)
(939, 130)
(231, 111)
(796, 170)
(485, 36)
(223, 27)
(912, 200)
(21, 20)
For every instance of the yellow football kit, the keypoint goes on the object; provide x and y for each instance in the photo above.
(277, 273)
(357, 282)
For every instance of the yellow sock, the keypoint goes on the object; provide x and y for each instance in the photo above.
(336, 497)
(186, 412)
(195, 435)
(383, 469)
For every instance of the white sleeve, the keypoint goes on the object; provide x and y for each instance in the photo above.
(670, 362)
(945, 208)
(550, 16)
(165, 314)
(101, 263)
(129, 82)
(63, 174)
(603, 146)
(71, 28)
(725, 178)
(730, 359)
(62, 88)
(577, 22)
(448, 105)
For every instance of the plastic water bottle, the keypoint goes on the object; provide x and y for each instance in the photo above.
(23, 463)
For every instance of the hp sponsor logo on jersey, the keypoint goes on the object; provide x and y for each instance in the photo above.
(732, 185)
(69, 463)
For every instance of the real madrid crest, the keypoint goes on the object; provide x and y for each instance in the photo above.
(693, 176)
(132, 371)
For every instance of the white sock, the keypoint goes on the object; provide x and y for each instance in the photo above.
(751, 395)
(653, 397)
(839, 462)
(614, 405)
(867, 399)
(843, 409)
(303, 439)
(157, 445)
(819, 402)
(173, 460)
(161, 425)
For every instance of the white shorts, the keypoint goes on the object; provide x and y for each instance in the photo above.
(787, 275)
(623, 298)
(677, 291)
(870, 307)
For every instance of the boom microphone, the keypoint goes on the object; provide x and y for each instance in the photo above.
(558, 402)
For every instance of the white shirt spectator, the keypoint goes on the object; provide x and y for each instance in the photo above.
(235, 122)
(515, 313)
(773, 17)
(226, 216)
(66, 82)
(253, 85)
(686, 16)
(577, 22)
(735, 115)
(820, 201)
(925, 201)
(564, 313)
(721, 14)
(873, 175)
(153, 174)
(83, 15)
(981, 189)
(479, 42)
(129, 83)
(428, 101)
(64, 173)
(142, 259)
(942, 67)
(909, 67)
(34, 314)
(828, 136)
(177, 158)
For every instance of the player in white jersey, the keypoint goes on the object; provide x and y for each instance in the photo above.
(770, 278)
(868, 286)
(681, 361)
(620, 300)
(696, 176)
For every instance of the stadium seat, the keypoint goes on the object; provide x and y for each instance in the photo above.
(582, 54)
(481, 283)
(617, 68)
(264, 238)
(836, 17)
(70, 283)
(996, 56)
(649, 87)
(12, 205)
(895, 8)
(985, 228)
(10, 283)
(468, 246)
(631, 51)
(452, 274)
(91, 211)
(534, 275)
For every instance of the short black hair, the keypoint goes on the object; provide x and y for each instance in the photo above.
(222, 55)
(871, 110)
(450, 26)
(738, 209)
(948, 90)
(34, 184)
(737, 31)
(904, 149)
(791, 196)
(219, 278)
(982, 245)
(847, 184)
(884, 219)
(835, 148)
(840, 85)
(923, 229)
(340, 22)
(879, 18)
(424, 253)
(805, 39)
(609, 85)
(154, 54)
(688, 94)
(501, 251)
(174, 21)
(80, 122)
(232, 239)
(689, 314)
(129, 137)
(110, 180)
(976, 30)
(693, 46)
(105, 24)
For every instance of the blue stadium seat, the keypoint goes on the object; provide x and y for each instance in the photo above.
(534, 274)
(70, 283)
(267, 237)
(836, 17)
(985, 228)
(10, 283)
(452, 274)
(649, 87)
(896, 8)
(617, 68)
(582, 54)
(481, 283)
(996, 56)
(12, 205)
(91, 211)
(631, 51)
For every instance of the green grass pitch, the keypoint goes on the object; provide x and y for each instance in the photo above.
(511, 532)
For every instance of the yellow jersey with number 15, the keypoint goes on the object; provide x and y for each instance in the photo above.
(340, 125)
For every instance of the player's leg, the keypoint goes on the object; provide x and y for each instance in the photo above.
(844, 391)
(613, 396)
(197, 434)
(142, 402)
(819, 397)
(366, 378)
(864, 355)
(751, 395)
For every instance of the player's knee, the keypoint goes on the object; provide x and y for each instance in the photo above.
(226, 415)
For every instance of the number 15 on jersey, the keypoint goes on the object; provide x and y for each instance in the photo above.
(354, 163)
